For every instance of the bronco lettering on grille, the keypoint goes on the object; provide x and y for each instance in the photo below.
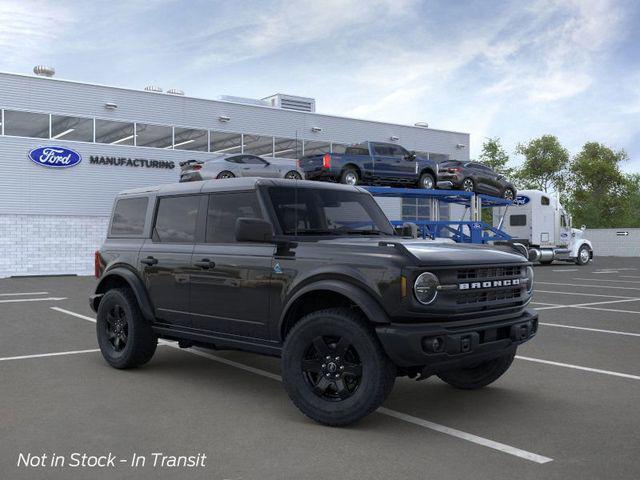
(489, 284)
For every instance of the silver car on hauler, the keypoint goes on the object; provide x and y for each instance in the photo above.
(240, 165)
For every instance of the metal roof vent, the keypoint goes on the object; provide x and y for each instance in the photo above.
(292, 102)
(44, 71)
(175, 91)
(153, 88)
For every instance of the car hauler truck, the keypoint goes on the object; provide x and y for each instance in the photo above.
(537, 220)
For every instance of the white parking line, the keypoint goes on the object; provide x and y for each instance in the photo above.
(74, 314)
(47, 299)
(579, 367)
(466, 436)
(54, 354)
(611, 310)
(588, 305)
(25, 293)
(629, 276)
(614, 332)
(581, 294)
(566, 270)
(607, 280)
(589, 286)
(533, 457)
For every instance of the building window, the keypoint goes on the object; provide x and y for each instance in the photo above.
(71, 128)
(190, 139)
(226, 142)
(257, 145)
(26, 124)
(157, 136)
(316, 148)
(115, 133)
(287, 148)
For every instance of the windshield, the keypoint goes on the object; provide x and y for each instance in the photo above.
(316, 211)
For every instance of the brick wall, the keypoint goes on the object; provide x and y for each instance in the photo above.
(49, 244)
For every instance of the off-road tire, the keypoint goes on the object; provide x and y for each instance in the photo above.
(480, 375)
(348, 173)
(141, 341)
(377, 371)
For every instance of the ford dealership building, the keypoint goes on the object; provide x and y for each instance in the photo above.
(66, 148)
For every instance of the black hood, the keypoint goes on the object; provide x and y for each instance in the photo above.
(433, 252)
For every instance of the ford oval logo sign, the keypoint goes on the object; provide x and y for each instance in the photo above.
(521, 200)
(55, 157)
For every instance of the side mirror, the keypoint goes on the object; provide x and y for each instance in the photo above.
(253, 230)
(410, 156)
(583, 228)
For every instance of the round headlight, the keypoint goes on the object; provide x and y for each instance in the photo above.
(529, 279)
(426, 288)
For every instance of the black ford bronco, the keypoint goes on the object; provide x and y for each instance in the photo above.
(313, 273)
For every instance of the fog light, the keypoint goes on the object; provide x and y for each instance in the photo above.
(433, 344)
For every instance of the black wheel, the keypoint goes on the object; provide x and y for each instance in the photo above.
(125, 338)
(334, 368)
(225, 174)
(468, 185)
(584, 255)
(508, 194)
(293, 175)
(349, 176)
(478, 376)
(427, 181)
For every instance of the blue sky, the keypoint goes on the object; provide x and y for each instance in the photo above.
(515, 70)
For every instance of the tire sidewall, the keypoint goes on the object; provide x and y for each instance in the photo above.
(579, 258)
(423, 177)
(473, 184)
(123, 357)
(347, 171)
(295, 347)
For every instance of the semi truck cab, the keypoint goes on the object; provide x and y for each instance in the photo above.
(539, 221)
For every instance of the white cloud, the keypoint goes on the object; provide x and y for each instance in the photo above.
(30, 29)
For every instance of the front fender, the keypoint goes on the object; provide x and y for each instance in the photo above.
(579, 243)
(369, 305)
(133, 281)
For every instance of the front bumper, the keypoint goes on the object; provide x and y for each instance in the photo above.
(412, 345)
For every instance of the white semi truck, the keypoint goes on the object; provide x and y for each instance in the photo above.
(537, 220)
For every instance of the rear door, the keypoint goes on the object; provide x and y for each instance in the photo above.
(230, 289)
(384, 161)
(165, 259)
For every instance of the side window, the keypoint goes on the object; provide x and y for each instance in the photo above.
(544, 201)
(224, 209)
(238, 159)
(397, 151)
(128, 216)
(381, 149)
(253, 160)
(176, 219)
(517, 220)
(563, 221)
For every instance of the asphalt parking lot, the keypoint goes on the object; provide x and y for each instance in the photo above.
(568, 408)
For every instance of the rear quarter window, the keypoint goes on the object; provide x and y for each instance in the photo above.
(128, 216)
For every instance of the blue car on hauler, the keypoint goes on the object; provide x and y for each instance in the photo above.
(372, 163)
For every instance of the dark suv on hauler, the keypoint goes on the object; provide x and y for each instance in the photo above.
(313, 273)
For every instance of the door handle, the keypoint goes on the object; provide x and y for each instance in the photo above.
(149, 261)
(205, 263)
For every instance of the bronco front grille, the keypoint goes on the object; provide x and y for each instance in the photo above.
(488, 296)
(490, 272)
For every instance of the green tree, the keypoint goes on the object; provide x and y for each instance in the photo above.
(494, 156)
(545, 164)
(600, 194)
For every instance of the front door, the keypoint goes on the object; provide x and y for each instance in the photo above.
(253, 166)
(231, 284)
(165, 259)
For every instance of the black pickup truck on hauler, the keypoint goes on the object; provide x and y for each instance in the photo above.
(313, 273)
